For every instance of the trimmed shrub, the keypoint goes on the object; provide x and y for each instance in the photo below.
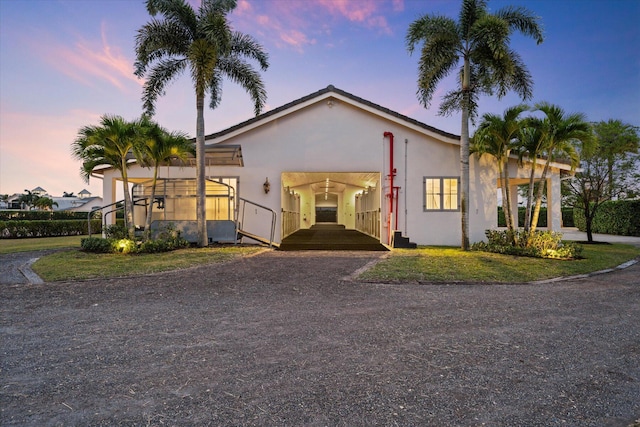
(168, 239)
(116, 231)
(16, 215)
(567, 217)
(620, 217)
(540, 244)
(96, 245)
(16, 229)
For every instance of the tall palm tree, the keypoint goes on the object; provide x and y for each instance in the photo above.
(480, 41)
(498, 136)
(111, 143)
(158, 147)
(203, 43)
(563, 137)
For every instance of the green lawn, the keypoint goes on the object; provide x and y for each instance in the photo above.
(440, 264)
(425, 264)
(75, 264)
(23, 245)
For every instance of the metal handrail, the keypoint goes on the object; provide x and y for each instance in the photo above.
(104, 215)
(273, 216)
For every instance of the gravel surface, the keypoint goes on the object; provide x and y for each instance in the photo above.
(286, 339)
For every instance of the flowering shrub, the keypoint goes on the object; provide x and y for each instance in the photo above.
(539, 244)
(167, 240)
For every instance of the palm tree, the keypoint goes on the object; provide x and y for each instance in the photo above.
(111, 143)
(45, 203)
(480, 40)
(530, 146)
(28, 200)
(615, 139)
(563, 136)
(159, 147)
(203, 43)
(498, 136)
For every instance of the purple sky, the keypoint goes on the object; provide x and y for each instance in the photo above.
(64, 63)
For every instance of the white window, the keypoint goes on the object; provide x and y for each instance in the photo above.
(441, 194)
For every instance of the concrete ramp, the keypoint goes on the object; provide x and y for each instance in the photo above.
(330, 237)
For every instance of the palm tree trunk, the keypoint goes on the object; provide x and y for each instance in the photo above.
(203, 239)
(505, 197)
(147, 223)
(464, 158)
(536, 210)
(128, 204)
(512, 222)
(527, 212)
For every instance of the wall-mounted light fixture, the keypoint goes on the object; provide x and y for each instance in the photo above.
(266, 186)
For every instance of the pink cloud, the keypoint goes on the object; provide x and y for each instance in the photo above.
(296, 24)
(87, 61)
(363, 11)
(296, 39)
(243, 7)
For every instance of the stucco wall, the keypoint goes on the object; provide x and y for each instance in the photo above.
(337, 136)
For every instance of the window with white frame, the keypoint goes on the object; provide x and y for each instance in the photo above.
(441, 193)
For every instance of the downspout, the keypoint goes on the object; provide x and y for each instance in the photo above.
(406, 171)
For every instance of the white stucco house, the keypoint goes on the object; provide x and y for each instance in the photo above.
(334, 157)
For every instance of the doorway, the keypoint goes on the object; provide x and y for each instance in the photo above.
(327, 214)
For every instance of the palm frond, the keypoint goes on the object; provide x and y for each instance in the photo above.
(248, 47)
(241, 72)
(157, 40)
(161, 74)
(470, 12)
(523, 21)
(176, 11)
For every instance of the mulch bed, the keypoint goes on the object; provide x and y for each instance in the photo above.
(284, 338)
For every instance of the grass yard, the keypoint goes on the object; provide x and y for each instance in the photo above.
(425, 264)
(23, 245)
(446, 264)
(75, 264)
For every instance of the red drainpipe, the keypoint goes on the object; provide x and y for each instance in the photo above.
(392, 189)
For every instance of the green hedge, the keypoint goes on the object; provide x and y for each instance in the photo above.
(48, 228)
(620, 217)
(567, 217)
(542, 219)
(17, 215)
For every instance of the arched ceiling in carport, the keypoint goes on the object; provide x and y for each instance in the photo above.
(337, 180)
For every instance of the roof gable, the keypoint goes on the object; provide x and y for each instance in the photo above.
(326, 94)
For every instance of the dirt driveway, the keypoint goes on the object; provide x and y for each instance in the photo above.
(281, 339)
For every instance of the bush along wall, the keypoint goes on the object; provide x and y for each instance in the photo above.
(48, 228)
(16, 215)
(620, 217)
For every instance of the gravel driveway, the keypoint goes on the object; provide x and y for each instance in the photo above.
(285, 339)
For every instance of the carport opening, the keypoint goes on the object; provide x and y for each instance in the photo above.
(350, 200)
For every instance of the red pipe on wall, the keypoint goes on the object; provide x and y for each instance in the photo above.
(392, 189)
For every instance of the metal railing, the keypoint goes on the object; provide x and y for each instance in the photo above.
(242, 203)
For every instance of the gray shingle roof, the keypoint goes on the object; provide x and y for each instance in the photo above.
(321, 92)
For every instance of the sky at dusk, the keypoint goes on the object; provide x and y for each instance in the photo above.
(64, 63)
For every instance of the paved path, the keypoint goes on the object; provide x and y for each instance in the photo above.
(15, 268)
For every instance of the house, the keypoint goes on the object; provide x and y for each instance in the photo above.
(334, 157)
(83, 202)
